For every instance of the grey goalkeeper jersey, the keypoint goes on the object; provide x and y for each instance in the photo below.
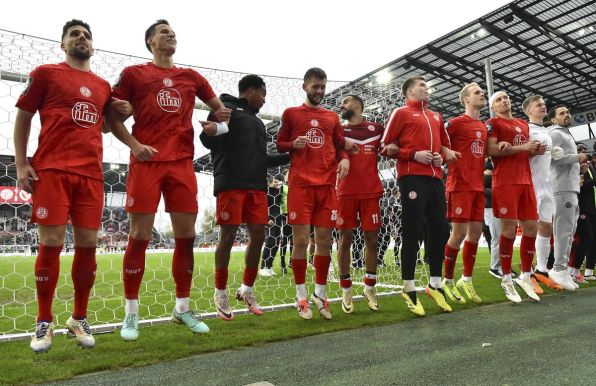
(564, 171)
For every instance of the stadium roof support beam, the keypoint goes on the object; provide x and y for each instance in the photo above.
(479, 71)
(516, 42)
(571, 45)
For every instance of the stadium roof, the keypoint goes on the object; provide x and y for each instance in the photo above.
(544, 47)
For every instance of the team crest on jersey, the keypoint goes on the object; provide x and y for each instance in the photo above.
(478, 135)
(436, 117)
(315, 137)
(225, 216)
(84, 114)
(85, 91)
(503, 210)
(371, 128)
(458, 211)
(168, 82)
(518, 129)
(314, 123)
(477, 149)
(412, 195)
(169, 100)
(519, 140)
(340, 221)
(130, 201)
(41, 212)
(293, 216)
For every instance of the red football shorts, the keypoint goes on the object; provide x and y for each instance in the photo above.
(515, 202)
(465, 206)
(350, 209)
(58, 194)
(314, 205)
(235, 207)
(148, 180)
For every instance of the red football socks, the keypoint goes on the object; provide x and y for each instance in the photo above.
(82, 273)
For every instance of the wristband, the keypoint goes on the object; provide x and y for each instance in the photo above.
(222, 128)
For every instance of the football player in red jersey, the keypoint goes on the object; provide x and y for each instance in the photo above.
(161, 143)
(65, 174)
(314, 137)
(514, 199)
(465, 192)
(358, 198)
(416, 136)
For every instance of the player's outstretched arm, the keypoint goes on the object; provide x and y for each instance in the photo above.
(22, 128)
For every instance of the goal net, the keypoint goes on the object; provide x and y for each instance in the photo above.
(19, 54)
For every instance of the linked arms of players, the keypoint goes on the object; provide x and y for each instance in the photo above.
(558, 154)
(115, 116)
(222, 116)
(424, 157)
(503, 149)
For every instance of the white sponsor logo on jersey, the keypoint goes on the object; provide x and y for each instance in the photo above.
(314, 123)
(412, 195)
(519, 140)
(168, 82)
(477, 149)
(85, 91)
(169, 100)
(130, 201)
(315, 136)
(84, 114)
(41, 212)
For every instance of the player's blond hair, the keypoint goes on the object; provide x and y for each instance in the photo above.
(529, 100)
(465, 91)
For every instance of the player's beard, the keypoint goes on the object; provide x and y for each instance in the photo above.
(82, 55)
(314, 99)
(347, 115)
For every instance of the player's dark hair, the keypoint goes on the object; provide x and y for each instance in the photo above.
(553, 112)
(358, 99)
(151, 31)
(314, 72)
(405, 86)
(72, 23)
(250, 81)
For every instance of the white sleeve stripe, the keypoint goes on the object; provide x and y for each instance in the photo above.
(364, 141)
(393, 114)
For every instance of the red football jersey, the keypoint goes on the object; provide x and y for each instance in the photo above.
(316, 163)
(163, 100)
(71, 107)
(363, 179)
(513, 169)
(468, 136)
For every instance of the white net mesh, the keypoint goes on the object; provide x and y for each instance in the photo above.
(19, 54)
